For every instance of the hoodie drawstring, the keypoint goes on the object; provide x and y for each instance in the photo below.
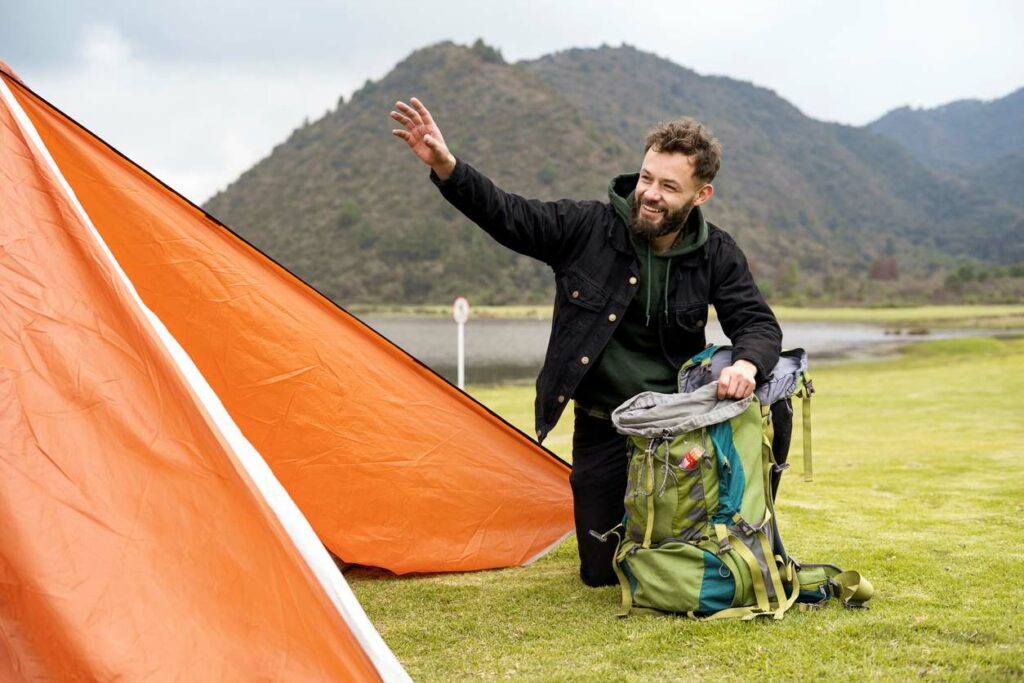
(668, 272)
(648, 278)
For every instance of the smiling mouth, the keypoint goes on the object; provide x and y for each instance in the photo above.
(651, 211)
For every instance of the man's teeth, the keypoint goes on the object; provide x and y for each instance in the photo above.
(652, 209)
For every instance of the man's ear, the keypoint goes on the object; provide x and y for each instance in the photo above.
(704, 194)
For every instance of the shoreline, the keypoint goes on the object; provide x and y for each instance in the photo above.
(1007, 316)
(873, 354)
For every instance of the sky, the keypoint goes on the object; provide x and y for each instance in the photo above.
(198, 91)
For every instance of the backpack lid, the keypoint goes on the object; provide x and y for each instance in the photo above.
(650, 414)
(783, 381)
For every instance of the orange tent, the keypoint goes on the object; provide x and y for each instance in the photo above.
(160, 380)
(142, 535)
(392, 465)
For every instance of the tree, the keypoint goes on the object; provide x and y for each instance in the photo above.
(348, 215)
(884, 268)
(787, 280)
(487, 53)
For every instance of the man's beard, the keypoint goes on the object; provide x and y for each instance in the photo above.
(647, 230)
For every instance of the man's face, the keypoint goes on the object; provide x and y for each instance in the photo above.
(665, 194)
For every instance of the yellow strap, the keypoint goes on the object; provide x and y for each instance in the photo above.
(743, 613)
(627, 596)
(760, 590)
(773, 572)
(794, 588)
(650, 521)
(808, 467)
(722, 533)
(855, 590)
(647, 472)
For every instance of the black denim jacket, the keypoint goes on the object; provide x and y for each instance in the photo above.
(597, 273)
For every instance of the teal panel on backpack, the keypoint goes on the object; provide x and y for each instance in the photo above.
(730, 473)
(718, 587)
(703, 355)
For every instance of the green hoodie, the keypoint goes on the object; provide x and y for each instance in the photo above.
(633, 360)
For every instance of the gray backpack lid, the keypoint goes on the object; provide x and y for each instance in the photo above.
(652, 415)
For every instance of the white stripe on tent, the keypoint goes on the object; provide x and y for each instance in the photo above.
(547, 550)
(293, 521)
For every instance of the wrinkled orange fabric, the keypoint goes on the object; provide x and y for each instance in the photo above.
(133, 546)
(392, 466)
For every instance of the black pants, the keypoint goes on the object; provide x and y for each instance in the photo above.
(598, 479)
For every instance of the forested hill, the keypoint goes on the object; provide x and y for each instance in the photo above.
(962, 136)
(816, 206)
(979, 143)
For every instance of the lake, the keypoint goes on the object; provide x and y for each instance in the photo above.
(499, 351)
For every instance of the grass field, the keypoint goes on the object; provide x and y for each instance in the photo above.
(919, 484)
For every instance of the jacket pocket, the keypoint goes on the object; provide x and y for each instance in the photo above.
(580, 290)
(682, 335)
(691, 318)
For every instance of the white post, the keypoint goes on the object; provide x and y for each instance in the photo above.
(460, 311)
(462, 355)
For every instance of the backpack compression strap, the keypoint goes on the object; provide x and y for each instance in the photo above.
(805, 393)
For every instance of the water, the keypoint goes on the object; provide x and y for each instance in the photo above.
(513, 350)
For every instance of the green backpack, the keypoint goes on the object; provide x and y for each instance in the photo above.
(700, 536)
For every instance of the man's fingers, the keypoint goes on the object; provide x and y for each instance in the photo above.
(404, 120)
(404, 134)
(410, 112)
(422, 110)
(731, 385)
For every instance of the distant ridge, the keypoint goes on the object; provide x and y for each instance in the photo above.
(960, 136)
(344, 204)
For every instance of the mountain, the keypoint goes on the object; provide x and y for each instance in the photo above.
(1003, 177)
(837, 193)
(959, 137)
(346, 206)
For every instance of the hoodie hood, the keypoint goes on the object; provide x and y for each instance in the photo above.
(695, 231)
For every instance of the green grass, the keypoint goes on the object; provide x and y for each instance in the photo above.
(919, 484)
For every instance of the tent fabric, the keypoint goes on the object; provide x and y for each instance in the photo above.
(143, 537)
(391, 465)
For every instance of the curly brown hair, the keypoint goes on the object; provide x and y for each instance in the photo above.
(690, 137)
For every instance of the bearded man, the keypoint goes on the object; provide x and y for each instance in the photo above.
(634, 276)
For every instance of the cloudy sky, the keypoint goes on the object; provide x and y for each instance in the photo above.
(197, 91)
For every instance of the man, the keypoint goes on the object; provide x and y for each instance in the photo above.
(634, 279)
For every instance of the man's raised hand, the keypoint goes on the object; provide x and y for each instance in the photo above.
(423, 137)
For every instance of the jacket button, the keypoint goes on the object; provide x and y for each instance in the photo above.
(575, 294)
(632, 279)
(700, 323)
(611, 318)
(561, 399)
(585, 360)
